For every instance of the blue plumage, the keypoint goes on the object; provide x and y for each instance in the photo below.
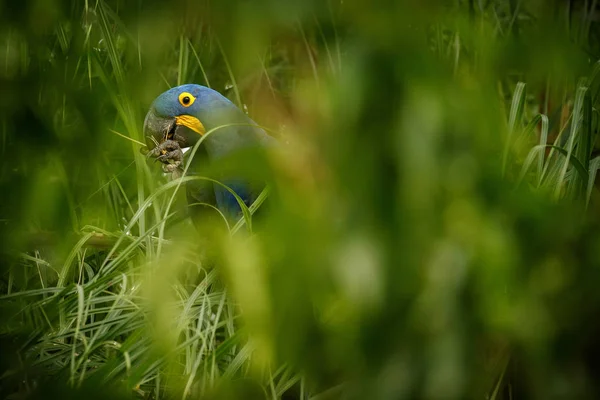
(184, 114)
(227, 203)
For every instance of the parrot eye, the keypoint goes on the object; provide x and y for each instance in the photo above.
(186, 99)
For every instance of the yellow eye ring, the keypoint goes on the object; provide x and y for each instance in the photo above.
(186, 99)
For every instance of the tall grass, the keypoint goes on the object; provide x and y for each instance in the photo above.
(569, 168)
(419, 237)
(133, 307)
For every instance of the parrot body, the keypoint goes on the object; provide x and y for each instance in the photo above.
(178, 118)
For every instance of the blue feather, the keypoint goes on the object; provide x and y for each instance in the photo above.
(226, 201)
(236, 133)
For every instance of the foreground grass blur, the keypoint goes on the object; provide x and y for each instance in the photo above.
(431, 227)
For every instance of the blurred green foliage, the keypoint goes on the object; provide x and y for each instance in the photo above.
(423, 238)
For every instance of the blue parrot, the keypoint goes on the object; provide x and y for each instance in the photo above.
(178, 118)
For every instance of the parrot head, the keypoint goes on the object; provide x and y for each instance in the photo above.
(181, 113)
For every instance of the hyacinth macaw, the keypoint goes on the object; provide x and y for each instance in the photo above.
(178, 118)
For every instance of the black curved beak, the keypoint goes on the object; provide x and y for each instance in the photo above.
(158, 129)
(184, 129)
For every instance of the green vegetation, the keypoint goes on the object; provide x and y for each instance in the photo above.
(431, 229)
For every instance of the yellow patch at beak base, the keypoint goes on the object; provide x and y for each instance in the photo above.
(191, 122)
